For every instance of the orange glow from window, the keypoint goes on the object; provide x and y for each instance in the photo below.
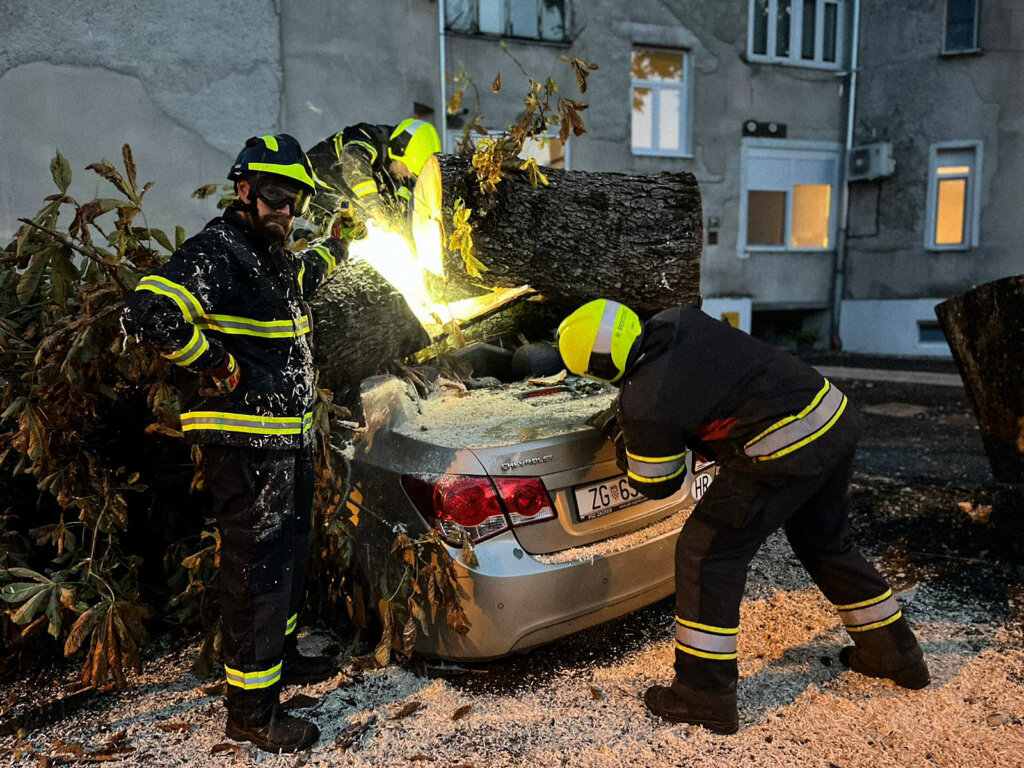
(949, 217)
(811, 204)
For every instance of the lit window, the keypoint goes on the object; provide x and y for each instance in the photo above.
(534, 19)
(660, 102)
(788, 199)
(802, 32)
(961, 26)
(952, 197)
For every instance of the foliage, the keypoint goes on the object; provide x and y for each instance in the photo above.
(114, 533)
(69, 378)
(495, 157)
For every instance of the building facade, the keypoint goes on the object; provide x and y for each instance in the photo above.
(857, 159)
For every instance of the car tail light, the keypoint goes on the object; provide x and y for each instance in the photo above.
(525, 498)
(458, 505)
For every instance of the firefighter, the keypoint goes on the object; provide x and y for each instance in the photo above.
(229, 309)
(373, 167)
(784, 439)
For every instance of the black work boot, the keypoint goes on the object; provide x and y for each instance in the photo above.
(891, 652)
(913, 675)
(297, 669)
(282, 733)
(680, 704)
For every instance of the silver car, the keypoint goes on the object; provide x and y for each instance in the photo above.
(561, 539)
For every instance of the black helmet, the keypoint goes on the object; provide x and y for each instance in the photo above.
(278, 155)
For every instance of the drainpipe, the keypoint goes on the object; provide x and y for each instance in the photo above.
(839, 274)
(444, 90)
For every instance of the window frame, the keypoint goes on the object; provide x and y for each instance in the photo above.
(972, 196)
(794, 58)
(504, 9)
(685, 89)
(976, 48)
(785, 149)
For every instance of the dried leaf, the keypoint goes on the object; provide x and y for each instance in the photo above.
(462, 711)
(354, 733)
(495, 86)
(226, 746)
(111, 174)
(174, 727)
(406, 710)
(129, 164)
(596, 693)
(300, 701)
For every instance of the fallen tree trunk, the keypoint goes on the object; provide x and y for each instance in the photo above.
(635, 239)
(986, 335)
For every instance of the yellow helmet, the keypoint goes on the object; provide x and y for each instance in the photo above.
(596, 339)
(413, 142)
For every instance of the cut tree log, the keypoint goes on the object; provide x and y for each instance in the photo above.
(985, 330)
(635, 239)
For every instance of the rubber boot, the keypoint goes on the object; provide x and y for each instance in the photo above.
(282, 733)
(890, 652)
(680, 704)
(297, 669)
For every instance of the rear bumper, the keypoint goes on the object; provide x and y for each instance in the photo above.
(514, 602)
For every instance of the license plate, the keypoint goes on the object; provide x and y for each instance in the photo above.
(600, 498)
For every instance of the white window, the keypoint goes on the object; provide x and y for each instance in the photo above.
(961, 26)
(953, 197)
(807, 33)
(789, 199)
(535, 19)
(661, 96)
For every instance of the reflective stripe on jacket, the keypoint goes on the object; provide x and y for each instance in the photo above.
(222, 292)
(700, 384)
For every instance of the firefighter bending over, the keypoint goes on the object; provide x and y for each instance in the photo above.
(229, 309)
(373, 168)
(784, 439)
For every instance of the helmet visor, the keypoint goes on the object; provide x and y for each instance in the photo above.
(276, 193)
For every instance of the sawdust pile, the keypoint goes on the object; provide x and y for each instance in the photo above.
(798, 706)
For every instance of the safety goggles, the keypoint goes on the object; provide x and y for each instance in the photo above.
(277, 193)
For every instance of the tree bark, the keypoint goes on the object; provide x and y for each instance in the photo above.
(362, 325)
(635, 239)
(985, 330)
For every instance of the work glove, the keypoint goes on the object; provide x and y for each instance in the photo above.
(221, 380)
(607, 423)
(347, 225)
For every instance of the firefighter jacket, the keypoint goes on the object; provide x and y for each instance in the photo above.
(353, 165)
(697, 383)
(220, 291)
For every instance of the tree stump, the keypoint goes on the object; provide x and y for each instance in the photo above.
(985, 330)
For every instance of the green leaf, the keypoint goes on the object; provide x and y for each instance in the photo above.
(30, 280)
(20, 591)
(60, 169)
(161, 237)
(53, 613)
(27, 613)
(179, 237)
(63, 276)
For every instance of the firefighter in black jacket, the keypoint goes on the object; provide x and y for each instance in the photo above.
(784, 439)
(229, 308)
(373, 167)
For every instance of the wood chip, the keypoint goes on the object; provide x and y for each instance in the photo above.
(461, 712)
(351, 735)
(997, 718)
(596, 693)
(226, 746)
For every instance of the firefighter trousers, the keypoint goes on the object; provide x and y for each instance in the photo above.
(262, 501)
(715, 547)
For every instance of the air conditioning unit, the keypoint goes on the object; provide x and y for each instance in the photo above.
(870, 161)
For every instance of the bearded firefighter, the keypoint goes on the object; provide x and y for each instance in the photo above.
(229, 310)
